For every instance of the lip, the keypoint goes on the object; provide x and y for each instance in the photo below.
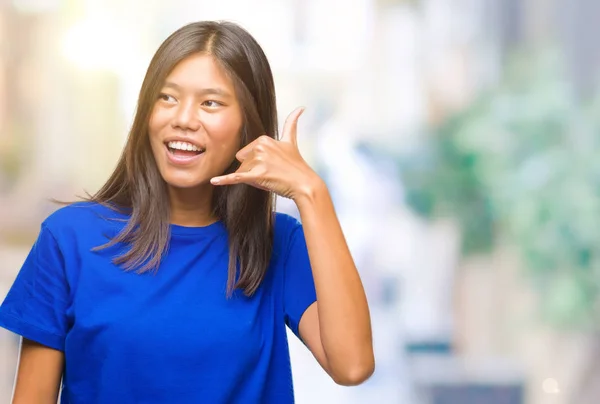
(183, 139)
(182, 160)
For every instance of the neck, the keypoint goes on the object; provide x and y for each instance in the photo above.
(191, 207)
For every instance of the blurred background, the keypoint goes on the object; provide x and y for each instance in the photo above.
(458, 137)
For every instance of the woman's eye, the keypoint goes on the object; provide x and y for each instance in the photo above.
(211, 104)
(166, 97)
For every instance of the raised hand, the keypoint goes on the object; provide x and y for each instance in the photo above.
(274, 165)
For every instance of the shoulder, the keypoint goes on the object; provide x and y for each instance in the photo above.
(285, 226)
(78, 216)
(287, 232)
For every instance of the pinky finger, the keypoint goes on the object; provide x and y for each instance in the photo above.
(231, 179)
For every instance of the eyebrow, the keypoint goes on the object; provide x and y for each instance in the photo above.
(203, 92)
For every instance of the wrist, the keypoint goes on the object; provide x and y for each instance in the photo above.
(310, 190)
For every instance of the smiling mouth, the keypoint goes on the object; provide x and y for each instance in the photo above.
(181, 149)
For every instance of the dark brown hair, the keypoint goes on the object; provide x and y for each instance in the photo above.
(137, 187)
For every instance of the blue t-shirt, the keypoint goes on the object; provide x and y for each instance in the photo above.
(170, 336)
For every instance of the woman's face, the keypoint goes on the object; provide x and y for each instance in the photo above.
(195, 125)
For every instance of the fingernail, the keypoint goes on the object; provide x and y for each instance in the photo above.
(214, 180)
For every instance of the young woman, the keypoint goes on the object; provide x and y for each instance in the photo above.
(174, 282)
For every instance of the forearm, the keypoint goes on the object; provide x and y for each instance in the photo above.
(344, 320)
(38, 375)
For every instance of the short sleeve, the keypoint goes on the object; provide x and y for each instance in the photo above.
(299, 287)
(35, 306)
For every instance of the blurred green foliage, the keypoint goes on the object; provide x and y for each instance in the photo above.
(522, 164)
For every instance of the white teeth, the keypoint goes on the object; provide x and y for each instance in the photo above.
(183, 146)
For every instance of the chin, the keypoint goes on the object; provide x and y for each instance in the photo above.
(186, 183)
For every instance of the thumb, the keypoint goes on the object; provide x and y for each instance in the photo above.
(291, 126)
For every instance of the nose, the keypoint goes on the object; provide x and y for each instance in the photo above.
(186, 117)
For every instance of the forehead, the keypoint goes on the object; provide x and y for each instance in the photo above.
(198, 72)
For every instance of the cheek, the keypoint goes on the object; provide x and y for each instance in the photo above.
(225, 133)
(155, 124)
